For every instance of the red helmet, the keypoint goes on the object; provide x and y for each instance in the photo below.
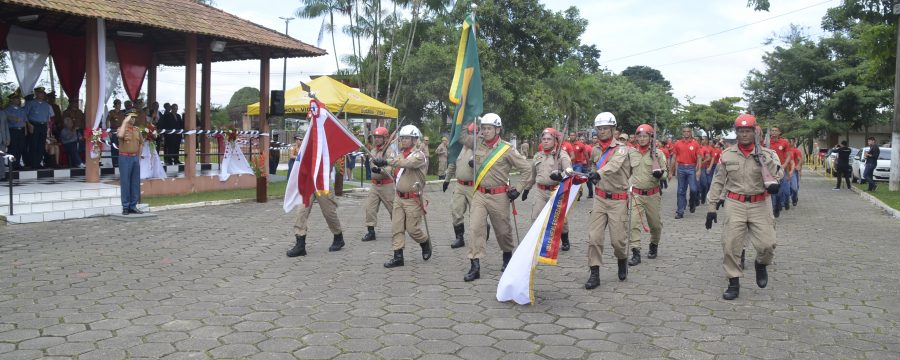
(745, 120)
(472, 127)
(553, 132)
(644, 128)
(380, 131)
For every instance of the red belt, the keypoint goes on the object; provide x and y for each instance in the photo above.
(547, 187)
(407, 195)
(747, 198)
(648, 192)
(382, 182)
(611, 196)
(465, 183)
(494, 190)
(126, 154)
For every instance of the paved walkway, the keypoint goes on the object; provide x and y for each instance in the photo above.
(214, 283)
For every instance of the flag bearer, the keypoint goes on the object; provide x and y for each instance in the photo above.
(610, 171)
(329, 210)
(493, 195)
(548, 169)
(749, 212)
(645, 192)
(409, 206)
(461, 199)
(382, 190)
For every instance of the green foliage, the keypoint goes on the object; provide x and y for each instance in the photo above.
(714, 119)
(644, 76)
(220, 119)
(239, 101)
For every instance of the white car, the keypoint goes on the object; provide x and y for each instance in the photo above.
(882, 168)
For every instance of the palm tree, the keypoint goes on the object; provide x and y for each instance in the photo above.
(312, 9)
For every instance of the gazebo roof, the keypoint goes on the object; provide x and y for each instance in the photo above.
(161, 23)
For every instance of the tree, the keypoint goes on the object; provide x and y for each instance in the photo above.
(312, 9)
(237, 106)
(643, 76)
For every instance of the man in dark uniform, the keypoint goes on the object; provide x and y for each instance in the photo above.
(871, 158)
(842, 165)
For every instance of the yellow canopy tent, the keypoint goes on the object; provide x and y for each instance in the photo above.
(333, 94)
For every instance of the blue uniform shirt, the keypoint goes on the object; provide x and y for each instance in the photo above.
(38, 111)
(15, 117)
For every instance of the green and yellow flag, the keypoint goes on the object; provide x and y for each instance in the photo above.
(465, 90)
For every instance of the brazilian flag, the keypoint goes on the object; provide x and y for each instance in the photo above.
(465, 90)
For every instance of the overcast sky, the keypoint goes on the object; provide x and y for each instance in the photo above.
(704, 47)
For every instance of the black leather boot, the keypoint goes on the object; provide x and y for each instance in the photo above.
(733, 290)
(506, 256)
(762, 275)
(652, 253)
(594, 279)
(565, 241)
(370, 235)
(395, 261)
(426, 249)
(623, 269)
(474, 271)
(299, 248)
(338, 242)
(460, 231)
(635, 257)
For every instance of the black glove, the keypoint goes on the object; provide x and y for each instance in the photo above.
(472, 164)
(594, 177)
(711, 217)
(379, 162)
(719, 204)
(664, 183)
(525, 195)
(555, 176)
(446, 184)
(773, 188)
(657, 174)
(376, 170)
(512, 194)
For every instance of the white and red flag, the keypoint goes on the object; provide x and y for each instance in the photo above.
(325, 142)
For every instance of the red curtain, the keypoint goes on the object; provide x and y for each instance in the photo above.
(134, 60)
(69, 57)
(4, 29)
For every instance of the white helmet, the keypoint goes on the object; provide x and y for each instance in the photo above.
(411, 131)
(491, 119)
(605, 119)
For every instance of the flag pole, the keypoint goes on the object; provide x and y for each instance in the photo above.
(477, 116)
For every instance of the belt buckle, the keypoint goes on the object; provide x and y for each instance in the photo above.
(609, 195)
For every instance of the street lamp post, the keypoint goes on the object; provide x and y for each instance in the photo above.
(894, 180)
(284, 75)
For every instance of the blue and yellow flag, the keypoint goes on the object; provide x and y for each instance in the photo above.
(465, 90)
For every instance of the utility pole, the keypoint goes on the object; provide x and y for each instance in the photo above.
(284, 75)
(894, 181)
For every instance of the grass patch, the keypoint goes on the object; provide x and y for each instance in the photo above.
(882, 193)
(276, 189)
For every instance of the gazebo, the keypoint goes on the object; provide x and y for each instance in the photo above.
(149, 33)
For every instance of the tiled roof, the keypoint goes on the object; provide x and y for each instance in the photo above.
(187, 16)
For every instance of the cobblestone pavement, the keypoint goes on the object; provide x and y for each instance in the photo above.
(214, 283)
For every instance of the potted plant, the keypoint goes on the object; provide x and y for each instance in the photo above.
(260, 170)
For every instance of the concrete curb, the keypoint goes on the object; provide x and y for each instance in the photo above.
(889, 210)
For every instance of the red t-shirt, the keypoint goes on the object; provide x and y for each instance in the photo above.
(686, 151)
(579, 155)
(716, 153)
(567, 146)
(781, 147)
(665, 150)
(701, 153)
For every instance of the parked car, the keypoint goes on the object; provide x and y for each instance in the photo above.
(882, 167)
(832, 158)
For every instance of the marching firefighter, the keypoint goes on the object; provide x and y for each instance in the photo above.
(549, 167)
(461, 199)
(493, 195)
(382, 190)
(648, 166)
(409, 205)
(749, 174)
(329, 210)
(610, 171)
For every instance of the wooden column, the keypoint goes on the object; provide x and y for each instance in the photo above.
(205, 114)
(92, 94)
(151, 82)
(263, 186)
(190, 106)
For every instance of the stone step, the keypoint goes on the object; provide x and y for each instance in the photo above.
(106, 170)
(43, 196)
(68, 214)
(61, 204)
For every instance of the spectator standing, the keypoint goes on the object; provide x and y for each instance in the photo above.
(842, 165)
(295, 149)
(525, 149)
(113, 122)
(172, 142)
(871, 157)
(39, 113)
(274, 155)
(16, 121)
(73, 112)
(442, 152)
(4, 143)
(686, 153)
(69, 138)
